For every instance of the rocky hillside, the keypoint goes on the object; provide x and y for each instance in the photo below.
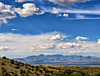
(9, 67)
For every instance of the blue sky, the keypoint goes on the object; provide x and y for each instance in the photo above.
(32, 27)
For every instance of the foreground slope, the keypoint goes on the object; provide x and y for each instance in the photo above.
(9, 67)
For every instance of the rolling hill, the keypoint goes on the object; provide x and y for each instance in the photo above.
(9, 67)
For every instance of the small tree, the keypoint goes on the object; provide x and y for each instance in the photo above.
(4, 57)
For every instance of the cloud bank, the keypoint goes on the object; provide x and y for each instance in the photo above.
(16, 44)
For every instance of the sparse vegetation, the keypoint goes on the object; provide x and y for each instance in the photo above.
(9, 67)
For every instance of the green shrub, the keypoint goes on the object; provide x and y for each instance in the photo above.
(2, 63)
(76, 74)
(97, 74)
(11, 61)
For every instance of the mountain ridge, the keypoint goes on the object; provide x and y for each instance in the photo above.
(58, 58)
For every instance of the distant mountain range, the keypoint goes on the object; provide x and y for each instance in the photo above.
(59, 59)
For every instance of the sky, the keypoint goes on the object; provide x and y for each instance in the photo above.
(33, 27)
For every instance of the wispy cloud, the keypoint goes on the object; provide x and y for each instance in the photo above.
(66, 2)
(23, 0)
(97, 12)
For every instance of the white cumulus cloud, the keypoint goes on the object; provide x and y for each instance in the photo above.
(28, 10)
(79, 38)
(65, 15)
(56, 10)
(69, 45)
(6, 13)
(98, 41)
(58, 37)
